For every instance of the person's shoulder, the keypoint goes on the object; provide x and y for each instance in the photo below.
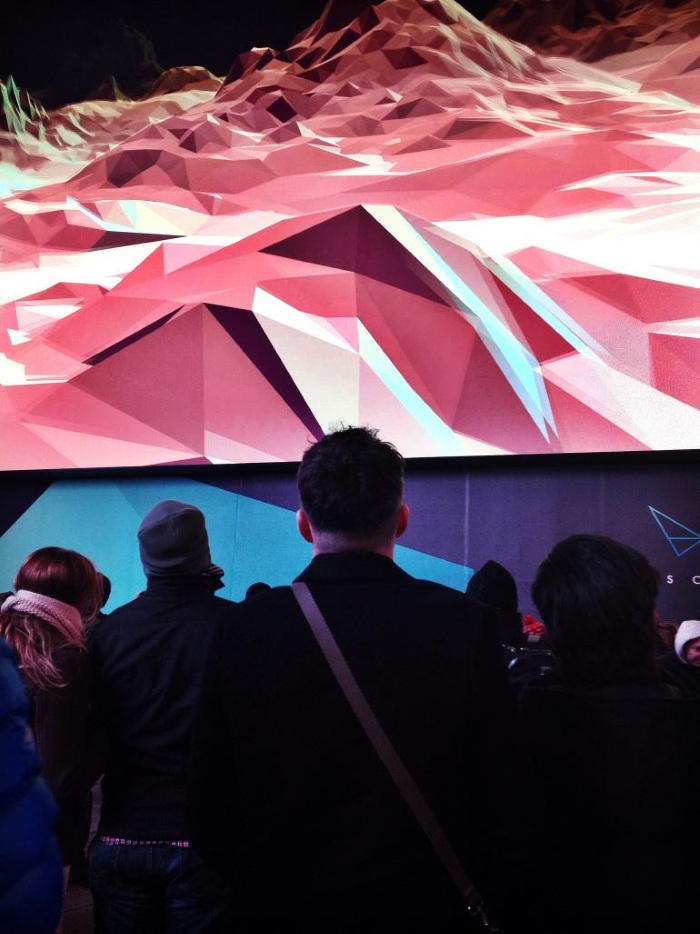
(118, 612)
(433, 587)
(12, 696)
(97, 629)
(223, 603)
(262, 603)
(669, 660)
(447, 596)
(222, 610)
(255, 612)
(452, 610)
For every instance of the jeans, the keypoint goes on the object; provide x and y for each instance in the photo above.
(155, 889)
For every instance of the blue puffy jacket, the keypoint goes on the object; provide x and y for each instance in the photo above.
(31, 875)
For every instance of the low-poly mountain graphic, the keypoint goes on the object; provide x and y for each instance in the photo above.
(590, 30)
(405, 219)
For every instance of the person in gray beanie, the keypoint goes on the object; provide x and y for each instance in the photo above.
(148, 662)
(681, 667)
(173, 540)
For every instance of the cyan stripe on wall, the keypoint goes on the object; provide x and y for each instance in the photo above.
(251, 540)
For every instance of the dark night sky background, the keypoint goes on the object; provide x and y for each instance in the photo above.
(54, 44)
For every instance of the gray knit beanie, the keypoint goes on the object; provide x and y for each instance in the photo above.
(689, 629)
(173, 540)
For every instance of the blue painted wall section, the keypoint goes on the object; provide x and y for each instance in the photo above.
(461, 516)
(250, 539)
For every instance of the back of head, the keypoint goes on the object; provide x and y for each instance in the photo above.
(596, 597)
(105, 588)
(495, 586)
(351, 485)
(62, 574)
(256, 588)
(173, 540)
(58, 591)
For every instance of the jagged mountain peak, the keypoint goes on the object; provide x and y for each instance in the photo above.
(591, 30)
(408, 33)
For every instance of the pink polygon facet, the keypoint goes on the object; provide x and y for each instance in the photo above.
(674, 363)
(490, 409)
(159, 379)
(241, 402)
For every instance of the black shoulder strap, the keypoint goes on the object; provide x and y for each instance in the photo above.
(387, 753)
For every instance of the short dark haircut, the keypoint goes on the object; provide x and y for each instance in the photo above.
(351, 483)
(597, 597)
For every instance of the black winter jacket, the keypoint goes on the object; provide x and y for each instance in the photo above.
(148, 663)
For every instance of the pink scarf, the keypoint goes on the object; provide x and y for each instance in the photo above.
(62, 616)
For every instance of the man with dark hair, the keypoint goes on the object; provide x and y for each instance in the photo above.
(616, 752)
(597, 598)
(351, 483)
(289, 801)
(148, 661)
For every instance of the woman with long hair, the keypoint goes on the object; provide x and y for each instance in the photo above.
(57, 592)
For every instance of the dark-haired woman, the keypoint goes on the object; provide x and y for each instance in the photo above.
(56, 594)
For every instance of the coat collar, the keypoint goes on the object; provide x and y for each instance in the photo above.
(190, 584)
(356, 566)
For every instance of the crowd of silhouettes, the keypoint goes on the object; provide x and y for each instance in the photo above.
(597, 715)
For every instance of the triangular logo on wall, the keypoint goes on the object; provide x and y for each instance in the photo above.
(679, 536)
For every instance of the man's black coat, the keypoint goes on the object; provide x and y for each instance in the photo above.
(148, 660)
(289, 800)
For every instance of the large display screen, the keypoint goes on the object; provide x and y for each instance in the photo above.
(480, 237)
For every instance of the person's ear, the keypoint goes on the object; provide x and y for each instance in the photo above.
(402, 519)
(303, 526)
